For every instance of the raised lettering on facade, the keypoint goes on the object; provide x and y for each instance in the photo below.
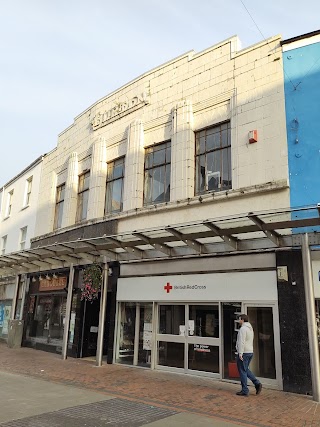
(121, 108)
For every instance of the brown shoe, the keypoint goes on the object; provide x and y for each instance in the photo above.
(258, 388)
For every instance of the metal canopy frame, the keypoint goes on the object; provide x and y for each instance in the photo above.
(259, 231)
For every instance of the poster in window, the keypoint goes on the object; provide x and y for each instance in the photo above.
(6, 317)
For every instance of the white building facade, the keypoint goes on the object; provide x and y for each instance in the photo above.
(18, 208)
(200, 137)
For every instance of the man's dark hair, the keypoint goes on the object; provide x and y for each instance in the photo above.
(244, 317)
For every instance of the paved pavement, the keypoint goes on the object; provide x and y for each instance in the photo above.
(40, 389)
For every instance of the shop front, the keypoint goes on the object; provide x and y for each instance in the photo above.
(46, 311)
(188, 323)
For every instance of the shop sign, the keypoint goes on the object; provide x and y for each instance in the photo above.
(120, 109)
(53, 284)
(201, 348)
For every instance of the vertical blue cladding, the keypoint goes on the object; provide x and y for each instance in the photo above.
(302, 98)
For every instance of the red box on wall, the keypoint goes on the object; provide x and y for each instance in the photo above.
(253, 136)
(233, 370)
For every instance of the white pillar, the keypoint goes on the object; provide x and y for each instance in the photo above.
(98, 176)
(68, 314)
(182, 152)
(134, 167)
(71, 192)
(311, 318)
(102, 313)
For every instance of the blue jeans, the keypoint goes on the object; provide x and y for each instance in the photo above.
(244, 371)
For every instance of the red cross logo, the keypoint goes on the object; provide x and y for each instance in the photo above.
(167, 288)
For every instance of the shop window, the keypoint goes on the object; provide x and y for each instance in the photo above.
(263, 363)
(83, 197)
(114, 191)
(23, 237)
(28, 190)
(157, 170)
(213, 159)
(59, 206)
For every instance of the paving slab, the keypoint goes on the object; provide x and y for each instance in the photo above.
(22, 396)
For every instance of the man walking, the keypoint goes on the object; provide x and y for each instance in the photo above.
(244, 348)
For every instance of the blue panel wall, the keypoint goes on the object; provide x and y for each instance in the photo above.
(302, 98)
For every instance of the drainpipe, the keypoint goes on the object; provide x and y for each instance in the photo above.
(311, 318)
(68, 314)
(102, 313)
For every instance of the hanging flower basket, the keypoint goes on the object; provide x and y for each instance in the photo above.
(92, 279)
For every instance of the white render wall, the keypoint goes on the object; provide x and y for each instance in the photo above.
(180, 97)
(21, 215)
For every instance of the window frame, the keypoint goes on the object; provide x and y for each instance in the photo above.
(221, 150)
(167, 172)
(22, 243)
(9, 203)
(28, 190)
(81, 193)
(110, 182)
(58, 204)
(4, 241)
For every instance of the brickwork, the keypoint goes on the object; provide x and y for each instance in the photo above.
(197, 395)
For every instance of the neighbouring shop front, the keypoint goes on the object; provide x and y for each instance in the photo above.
(45, 313)
(7, 291)
(188, 322)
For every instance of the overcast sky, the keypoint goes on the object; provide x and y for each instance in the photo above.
(60, 56)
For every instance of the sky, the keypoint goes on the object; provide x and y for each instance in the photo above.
(59, 57)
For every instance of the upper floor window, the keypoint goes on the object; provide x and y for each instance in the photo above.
(3, 244)
(9, 203)
(28, 191)
(213, 159)
(83, 196)
(23, 237)
(114, 192)
(157, 169)
(59, 206)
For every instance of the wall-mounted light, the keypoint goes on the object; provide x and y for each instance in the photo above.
(48, 277)
(54, 276)
(40, 278)
(33, 279)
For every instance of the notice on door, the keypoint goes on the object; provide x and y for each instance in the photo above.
(201, 348)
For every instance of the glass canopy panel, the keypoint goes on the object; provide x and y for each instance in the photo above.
(176, 244)
(253, 235)
(156, 234)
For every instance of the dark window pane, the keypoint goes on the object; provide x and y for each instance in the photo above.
(215, 173)
(157, 174)
(201, 174)
(202, 145)
(171, 354)
(171, 318)
(158, 184)
(117, 196)
(118, 170)
(224, 138)
(168, 154)
(226, 169)
(147, 186)
(159, 157)
(203, 358)
(167, 186)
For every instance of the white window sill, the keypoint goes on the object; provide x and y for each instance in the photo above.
(6, 217)
(24, 207)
